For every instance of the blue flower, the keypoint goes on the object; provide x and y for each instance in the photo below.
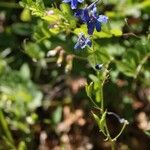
(89, 16)
(74, 3)
(82, 42)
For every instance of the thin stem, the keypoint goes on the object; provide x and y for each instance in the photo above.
(107, 131)
(102, 101)
(112, 142)
(101, 92)
(94, 103)
(122, 129)
(43, 38)
(38, 71)
(141, 65)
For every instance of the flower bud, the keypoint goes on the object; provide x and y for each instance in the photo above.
(69, 59)
(60, 58)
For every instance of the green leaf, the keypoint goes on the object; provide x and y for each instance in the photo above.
(33, 50)
(24, 127)
(23, 29)
(89, 89)
(126, 68)
(22, 146)
(100, 56)
(3, 65)
(102, 34)
(116, 32)
(56, 117)
(8, 144)
(5, 128)
(145, 6)
(93, 78)
(53, 18)
(65, 8)
(82, 29)
(97, 119)
(25, 71)
(102, 122)
(25, 15)
(147, 133)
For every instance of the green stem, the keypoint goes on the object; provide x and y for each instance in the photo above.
(102, 101)
(112, 143)
(96, 106)
(101, 93)
(5, 128)
(140, 65)
(43, 38)
(38, 71)
(122, 129)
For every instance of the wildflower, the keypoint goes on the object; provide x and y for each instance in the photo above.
(121, 120)
(82, 42)
(89, 16)
(74, 3)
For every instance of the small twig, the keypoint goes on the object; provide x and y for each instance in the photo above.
(131, 34)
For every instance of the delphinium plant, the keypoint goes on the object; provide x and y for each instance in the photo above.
(90, 22)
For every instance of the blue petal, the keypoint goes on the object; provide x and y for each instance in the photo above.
(90, 26)
(88, 42)
(98, 26)
(82, 42)
(77, 46)
(83, 46)
(80, 1)
(82, 14)
(78, 13)
(86, 17)
(66, 1)
(102, 19)
(74, 4)
(93, 9)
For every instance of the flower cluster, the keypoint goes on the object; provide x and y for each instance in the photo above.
(82, 42)
(74, 3)
(89, 16)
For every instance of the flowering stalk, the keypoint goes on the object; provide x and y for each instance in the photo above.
(93, 20)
